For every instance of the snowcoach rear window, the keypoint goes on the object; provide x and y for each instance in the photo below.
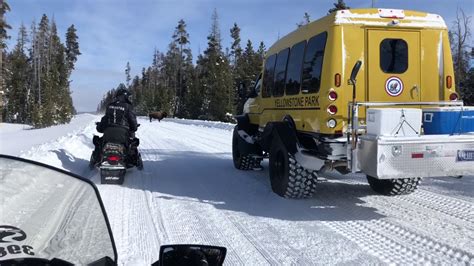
(393, 56)
(313, 63)
(268, 75)
(280, 73)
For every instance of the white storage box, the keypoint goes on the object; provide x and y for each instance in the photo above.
(394, 121)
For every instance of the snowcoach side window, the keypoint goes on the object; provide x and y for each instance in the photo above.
(313, 63)
(295, 64)
(268, 75)
(280, 73)
(393, 56)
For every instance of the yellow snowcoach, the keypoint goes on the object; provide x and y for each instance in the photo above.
(364, 90)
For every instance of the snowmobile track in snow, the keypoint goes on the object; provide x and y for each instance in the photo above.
(447, 205)
(385, 238)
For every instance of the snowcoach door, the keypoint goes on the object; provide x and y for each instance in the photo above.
(393, 66)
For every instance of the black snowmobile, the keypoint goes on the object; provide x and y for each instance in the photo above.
(115, 159)
(66, 223)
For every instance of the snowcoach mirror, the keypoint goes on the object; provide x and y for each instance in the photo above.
(355, 71)
(191, 255)
(50, 214)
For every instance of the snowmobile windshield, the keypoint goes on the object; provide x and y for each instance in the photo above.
(48, 213)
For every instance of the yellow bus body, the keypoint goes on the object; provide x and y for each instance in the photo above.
(359, 34)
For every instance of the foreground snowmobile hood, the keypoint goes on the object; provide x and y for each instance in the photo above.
(51, 214)
(51, 217)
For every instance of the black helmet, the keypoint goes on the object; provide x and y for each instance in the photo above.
(123, 94)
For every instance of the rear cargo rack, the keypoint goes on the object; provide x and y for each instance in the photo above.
(354, 126)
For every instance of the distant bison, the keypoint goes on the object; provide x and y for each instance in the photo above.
(157, 115)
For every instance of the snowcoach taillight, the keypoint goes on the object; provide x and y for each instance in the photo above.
(332, 95)
(449, 82)
(337, 80)
(332, 109)
(453, 97)
(113, 158)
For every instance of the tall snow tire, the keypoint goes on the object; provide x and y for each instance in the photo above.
(288, 178)
(393, 187)
(242, 162)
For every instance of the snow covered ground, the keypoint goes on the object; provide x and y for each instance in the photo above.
(189, 192)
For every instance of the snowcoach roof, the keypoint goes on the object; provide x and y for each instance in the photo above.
(393, 18)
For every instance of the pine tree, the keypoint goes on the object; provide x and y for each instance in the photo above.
(17, 82)
(60, 71)
(72, 47)
(4, 26)
(181, 41)
(237, 64)
(261, 52)
(127, 74)
(306, 20)
(196, 97)
(340, 5)
(235, 49)
(38, 87)
(215, 78)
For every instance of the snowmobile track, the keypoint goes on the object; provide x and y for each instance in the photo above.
(447, 205)
(384, 238)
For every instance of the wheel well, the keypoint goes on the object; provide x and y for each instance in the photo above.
(243, 123)
(283, 130)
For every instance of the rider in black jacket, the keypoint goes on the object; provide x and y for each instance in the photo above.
(118, 124)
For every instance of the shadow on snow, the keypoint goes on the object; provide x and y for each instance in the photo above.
(212, 179)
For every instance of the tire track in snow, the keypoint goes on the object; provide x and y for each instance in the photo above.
(200, 219)
(231, 225)
(182, 214)
(449, 206)
(383, 238)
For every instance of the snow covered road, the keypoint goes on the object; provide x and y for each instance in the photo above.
(189, 192)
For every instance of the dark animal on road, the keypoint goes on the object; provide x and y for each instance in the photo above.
(157, 115)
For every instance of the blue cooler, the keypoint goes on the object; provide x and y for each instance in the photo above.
(448, 120)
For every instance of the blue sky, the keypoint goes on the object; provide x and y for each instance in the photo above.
(112, 32)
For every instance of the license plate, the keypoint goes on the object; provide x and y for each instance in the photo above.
(465, 156)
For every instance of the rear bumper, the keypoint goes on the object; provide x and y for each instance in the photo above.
(419, 156)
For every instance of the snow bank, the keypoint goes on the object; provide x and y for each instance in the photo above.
(202, 123)
(18, 138)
